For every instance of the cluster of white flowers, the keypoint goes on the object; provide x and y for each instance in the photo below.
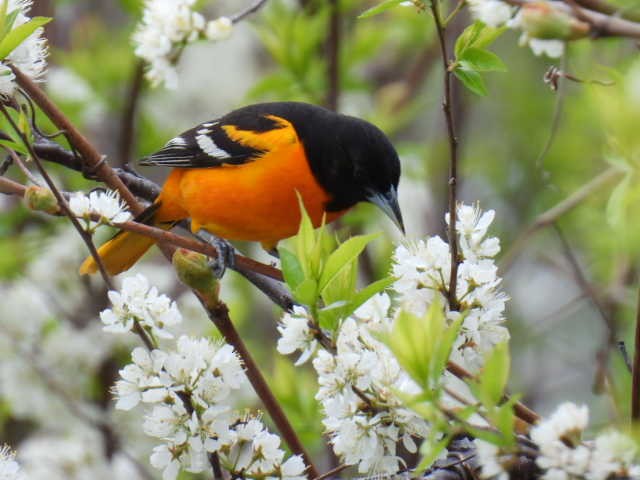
(360, 387)
(189, 391)
(167, 27)
(137, 301)
(361, 381)
(105, 204)
(296, 333)
(30, 56)
(563, 454)
(9, 468)
(497, 13)
(423, 271)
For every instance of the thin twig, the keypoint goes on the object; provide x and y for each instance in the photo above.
(560, 85)
(609, 9)
(60, 198)
(91, 156)
(523, 412)
(219, 315)
(248, 11)
(333, 56)
(453, 160)
(128, 120)
(550, 216)
(602, 355)
(332, 472)
(601, 25)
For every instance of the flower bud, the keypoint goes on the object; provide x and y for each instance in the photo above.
(41, 199)
(219, 29)
(544, 21)
(193, 270)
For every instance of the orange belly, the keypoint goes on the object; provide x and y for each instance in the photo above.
(256, 201)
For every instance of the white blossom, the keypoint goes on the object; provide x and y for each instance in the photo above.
(489, 459)
(494, 13)
(30, 57)
(564, 453)
(166, 27)
(296, 334)
(423, 271)
(188, 391)
(549, 48)
(9, 468)
(137, 301)
(105, 204)
(219, 29)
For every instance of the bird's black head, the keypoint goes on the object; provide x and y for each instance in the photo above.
(352, 160)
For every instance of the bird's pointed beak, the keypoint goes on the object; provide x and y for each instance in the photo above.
(388, 203)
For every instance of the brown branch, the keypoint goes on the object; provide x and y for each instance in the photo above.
(332, 472)
(86, 237)
(601, 25)
(248, 11)
(219, 315)
(94, 160)
(128, 120)
(635, 386)
(554, 213)
(523, 412)
(333, 56)
(609, 9)
(108, 175)
(453, 160)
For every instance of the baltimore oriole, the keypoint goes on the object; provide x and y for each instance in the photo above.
(239, 176)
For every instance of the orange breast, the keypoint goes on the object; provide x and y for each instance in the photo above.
(255, 201)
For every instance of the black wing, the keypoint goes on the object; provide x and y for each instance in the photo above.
(208, 145)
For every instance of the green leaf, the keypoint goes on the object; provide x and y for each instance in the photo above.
(8, 21)
(488, 35)
(369, 291)
(467, 38)
(494, 375)
(472, 80)
(305, 240)
(381, 7)
(16, 146)
(431, 450)
(16, 36)
(342, 257)
(291, 268)
(482, 60)
(306, 292)
(423, 345)
(615, 210)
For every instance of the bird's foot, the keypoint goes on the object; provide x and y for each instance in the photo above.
(226, 253)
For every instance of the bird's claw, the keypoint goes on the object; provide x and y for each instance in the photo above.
(226, 254)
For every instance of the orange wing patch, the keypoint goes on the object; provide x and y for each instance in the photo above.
(267, 141)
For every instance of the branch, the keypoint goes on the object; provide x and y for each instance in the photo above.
(523, 412)
(219, 315)
(248, 11)
(128, 121)
(609, 9)
(333, 56)
(554, 213)
(94, 160)
(602, 25)
(453, 161)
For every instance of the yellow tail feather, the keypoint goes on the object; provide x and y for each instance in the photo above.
(118, 254)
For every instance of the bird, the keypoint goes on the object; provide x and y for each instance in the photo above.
(240, 177)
